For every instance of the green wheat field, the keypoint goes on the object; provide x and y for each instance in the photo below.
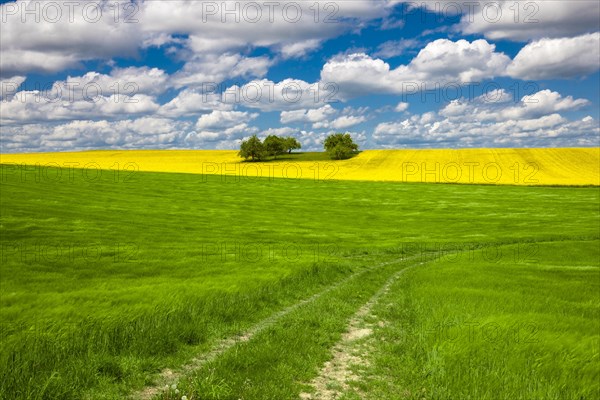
(170, 286)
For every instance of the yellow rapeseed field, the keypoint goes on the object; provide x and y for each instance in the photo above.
(558, 166)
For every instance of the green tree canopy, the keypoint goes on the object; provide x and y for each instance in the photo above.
(290, 143)
(274, 145)
(340, 146)
(253, 148)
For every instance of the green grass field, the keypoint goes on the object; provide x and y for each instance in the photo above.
(242, 288)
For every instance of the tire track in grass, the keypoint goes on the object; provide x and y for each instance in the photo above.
(168, 377)
(351, 351)
(336, 374)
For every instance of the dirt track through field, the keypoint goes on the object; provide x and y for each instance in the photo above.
(168, 376)
(351, 351)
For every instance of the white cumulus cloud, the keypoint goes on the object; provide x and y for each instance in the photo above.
(557, 58)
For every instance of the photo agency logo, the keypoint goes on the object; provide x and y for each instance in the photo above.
(489, 92)
(129, 11)
(517, 332)
(65, 15)
(253, 12)
(266, 92)
(470, 172)
(72, 12)
(246, 172)
(471, 253)
(67, 252)
(491, 12)
(68, 172)
(222, 251)
(69, 91)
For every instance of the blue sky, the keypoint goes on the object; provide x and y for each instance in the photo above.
(205, 75)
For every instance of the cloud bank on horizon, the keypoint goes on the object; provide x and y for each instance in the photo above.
(137, 74)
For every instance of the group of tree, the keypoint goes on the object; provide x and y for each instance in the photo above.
(272, 146)
(338, 146)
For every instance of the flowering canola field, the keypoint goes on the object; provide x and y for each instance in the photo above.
(547, 166)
